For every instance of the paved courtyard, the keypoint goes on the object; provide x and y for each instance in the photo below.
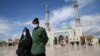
(59, 51)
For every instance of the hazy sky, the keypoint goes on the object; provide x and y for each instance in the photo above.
(16, 14)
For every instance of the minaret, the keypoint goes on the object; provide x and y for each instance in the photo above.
(47, 19)
(77, 19)
(78, 24)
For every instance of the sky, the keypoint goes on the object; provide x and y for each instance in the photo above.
(17, 14)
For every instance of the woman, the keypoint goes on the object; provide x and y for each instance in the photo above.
(25, 43)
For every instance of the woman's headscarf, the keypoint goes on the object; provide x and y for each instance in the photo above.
(27, 35)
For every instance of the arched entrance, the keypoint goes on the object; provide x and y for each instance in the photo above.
(61, 40)
(66, 39)
(55, 41)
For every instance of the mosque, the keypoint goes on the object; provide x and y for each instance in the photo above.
(70, 35)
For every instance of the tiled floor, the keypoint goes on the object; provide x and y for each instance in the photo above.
(59, 51)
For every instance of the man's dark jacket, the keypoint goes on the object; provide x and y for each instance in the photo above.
(39, 38)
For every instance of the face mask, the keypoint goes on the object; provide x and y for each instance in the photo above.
(24, 33)
(35, 25)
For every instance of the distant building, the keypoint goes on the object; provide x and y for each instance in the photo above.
(16, 42)
(3, 44)
(91, 40)
(95, 41)
(9, 42)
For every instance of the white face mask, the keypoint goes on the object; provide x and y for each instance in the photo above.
(24, 33)
(35, 25)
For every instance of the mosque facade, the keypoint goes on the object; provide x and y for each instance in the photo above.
(69, 35)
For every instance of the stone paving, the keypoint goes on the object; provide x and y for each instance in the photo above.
(59, 51)
(75, 51)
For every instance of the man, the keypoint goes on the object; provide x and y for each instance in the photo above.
(39, 38)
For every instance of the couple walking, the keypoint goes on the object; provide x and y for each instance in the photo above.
(35, 45)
